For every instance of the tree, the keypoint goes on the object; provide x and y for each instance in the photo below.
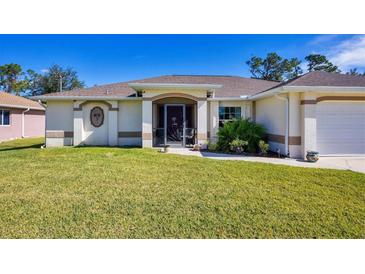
(50, 81)
(292, 68)
(318, 62)
(12, 78)
(355, 72)
(34, 83)
(274, 67)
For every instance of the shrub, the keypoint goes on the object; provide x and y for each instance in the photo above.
(237, 145)
(212, 146)
(264, 147)
(243, 129)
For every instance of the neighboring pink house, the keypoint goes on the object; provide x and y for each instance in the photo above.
(20, 117)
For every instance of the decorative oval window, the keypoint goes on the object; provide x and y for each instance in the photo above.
(97, 116)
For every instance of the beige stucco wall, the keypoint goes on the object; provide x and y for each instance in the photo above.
(295, 125)
(202, 125)
(270, 112)
(59, 118)
(130, 116)
(59, 115)
(59, 142)
(130, 120)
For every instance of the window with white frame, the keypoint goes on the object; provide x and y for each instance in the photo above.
(228, 114)
(4, 117)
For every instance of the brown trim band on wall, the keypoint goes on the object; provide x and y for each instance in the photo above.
(276, 138)
(332, 98)
(129, 134)
(293, 140)
(179, 95)
(342, 98)
(308, 102)
(147, 136)
(59, 134)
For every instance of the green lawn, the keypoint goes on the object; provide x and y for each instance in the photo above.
(100, 192)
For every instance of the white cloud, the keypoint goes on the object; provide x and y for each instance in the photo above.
(44, 70)
(349, 53)
(321, 39)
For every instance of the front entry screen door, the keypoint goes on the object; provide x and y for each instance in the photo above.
(174, 123)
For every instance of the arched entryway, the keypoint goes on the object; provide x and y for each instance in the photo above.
(174, 121)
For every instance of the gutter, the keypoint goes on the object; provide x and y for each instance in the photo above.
(22, 107)
(267, 93)
(23, 135)
(286, 99)
(323, 89)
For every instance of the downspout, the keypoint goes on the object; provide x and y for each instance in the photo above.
(286, 99)
(23, 135)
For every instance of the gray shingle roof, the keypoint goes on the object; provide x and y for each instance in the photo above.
(232, 86)
(321, 78)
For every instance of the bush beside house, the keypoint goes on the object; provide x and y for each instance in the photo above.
(240, 135)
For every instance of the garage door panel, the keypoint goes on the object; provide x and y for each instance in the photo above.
(341, 128)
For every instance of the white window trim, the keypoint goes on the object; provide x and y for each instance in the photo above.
(2, 118)
(228, 120)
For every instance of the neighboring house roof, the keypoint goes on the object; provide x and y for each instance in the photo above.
(13, 101)
(232, 86)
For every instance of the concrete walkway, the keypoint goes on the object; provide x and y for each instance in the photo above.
(351, 163)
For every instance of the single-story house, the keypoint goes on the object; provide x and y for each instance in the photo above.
(317, 111)
(20, 117)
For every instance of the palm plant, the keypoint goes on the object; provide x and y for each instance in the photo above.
(243, 129)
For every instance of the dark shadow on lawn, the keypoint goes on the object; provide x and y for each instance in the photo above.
(21, 147)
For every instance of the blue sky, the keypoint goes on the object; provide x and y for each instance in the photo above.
(101, 59)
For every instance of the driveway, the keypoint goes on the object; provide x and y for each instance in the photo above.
(351, 163)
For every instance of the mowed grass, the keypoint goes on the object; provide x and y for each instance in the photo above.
(97, 192)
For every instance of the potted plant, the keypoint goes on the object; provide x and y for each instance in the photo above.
(166, 148)
(196, 147)
(237, 145)
(264, 147)
(312, 156)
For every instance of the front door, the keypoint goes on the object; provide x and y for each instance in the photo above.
(174, 125)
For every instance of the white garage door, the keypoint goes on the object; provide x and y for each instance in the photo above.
(341, 128)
